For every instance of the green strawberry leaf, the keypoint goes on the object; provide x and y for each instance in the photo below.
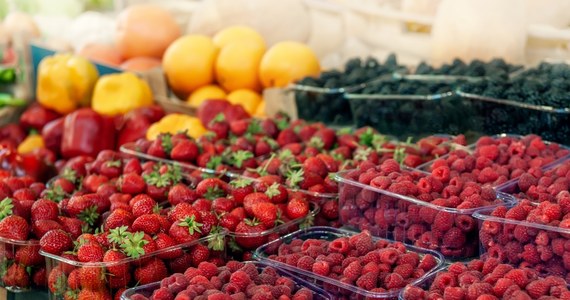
(6, 207)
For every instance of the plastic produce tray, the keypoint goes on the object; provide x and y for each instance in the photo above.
(10, 257)
(59, 268)
(507, 240)
(338, 289)
(387, 216)
(318, 293)
(503, 115)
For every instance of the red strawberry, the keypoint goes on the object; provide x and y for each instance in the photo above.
(24, 194)
(186, 230)
(131, 183)
(235, 112)
(56, 241)
(212, 188)
(181, 193)
(72, 226)
(287, 136)
(118, 218)
(325, 137)
(163, 241)
(29, 255)
(90, 252)
(246, 232)
(266, 213)
(148, 223)
(14, 227)
(143, 205)
(182, 211)
(198, 254)
(132, 165)
(297, 208)
(44, 209)
(92, 182)
(315, 165)
(239, 127)
(277, 193)
(41, 227)
(221, 205)
(157, 148)
(185, 150)
(16, 276)
(250, 200)
(92, 278)
(229, 221)
(116, 270)
(241, 188)
(153, 271)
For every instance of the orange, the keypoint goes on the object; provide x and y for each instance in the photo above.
(287, 62)
(237, 66)
(260, 110)
(204, 93)
(247, 98)
(238, 33)
(189, 64)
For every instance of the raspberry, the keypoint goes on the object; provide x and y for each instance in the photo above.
(303, 294)
(475, 265)
(240, 279)
(335, 259)
(530, 254)
(388, 256)
(428, 263)
(453, 293)
(518, 213)
(281, 290)
(306, 263)
(208, 269)
(381, 182)
(466, 223)
(488, 151)
(443, 280)
(489, 265)
(457, 268)
(552, 212)
(454, 238)
(477, 289)
(521, 234)
(389, 166)
(526, 180)
(347, 261)
(321, 268)
(234, 265)
(501, 286)
(250, 270)
(394, 281)
(353, 271)
(339, 245)
(443, 221)
(441, 173)
(413, 293)
(367, 281)
(362, 242)
(404, 270)
(537, 288)
(191, 273)
(487, 175)
(468, 278)
(518, 276)
(411, 258)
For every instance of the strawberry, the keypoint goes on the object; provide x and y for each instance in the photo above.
(199, 253)
(132, 165)
(118, 218)
(163, 241)
(16, 276)
(147, 223)
(266, 213)
(185, 230)
(143, 205)
(92, 278)
(24, 194)
(29, 255)
(185, 150)
(116, 270)
(44, 209)
(297, 208)
(181, 193)
(90, 252)
(212, 188)
(92, 295)
(277, 193)
(287, 136)
(161, 146)
(14, 227)
(209, 221)
(153, 271)
(247, 234)
(41, 227)
(235, 112)
(92, 182)
(64, 184)
(250, 200)
(56, 241)
(315, 165)
(183, 211)
(241, 188)
(131, 183)
(325, 136)
(229, 221)
(239, 127)
(221, 205)
(330, 209)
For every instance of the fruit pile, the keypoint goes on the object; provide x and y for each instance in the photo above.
(431, 211)
(326, 103)
(540, 186)
(488, 279)
(495, 160)
(234, 280)
(373, 265)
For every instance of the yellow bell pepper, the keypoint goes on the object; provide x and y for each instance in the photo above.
(175, 123)
(65, 82)
(120, 93)
(30, 143)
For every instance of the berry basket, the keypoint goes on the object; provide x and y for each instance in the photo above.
(318, 293)
(552, 155)
(505, 115)
(22, 266)
(412, 115)
(69, 277)
(240, 241)
(451, 231)
(341, 289)
(524, 244)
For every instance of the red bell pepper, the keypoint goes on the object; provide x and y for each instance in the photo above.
(37, 116)
(86, 132)
(52, 133)
(133, 125)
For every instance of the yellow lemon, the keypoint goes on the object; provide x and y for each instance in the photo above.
(237, 66)
(206, 92)
(247, 98)
(189, 64)
(174, 123)
(287, 62)
(238, 33)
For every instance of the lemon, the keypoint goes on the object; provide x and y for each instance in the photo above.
(237, 66)
(206, 92)
(247, 98)
(238, 33)
(287, 62)
(189, 64)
